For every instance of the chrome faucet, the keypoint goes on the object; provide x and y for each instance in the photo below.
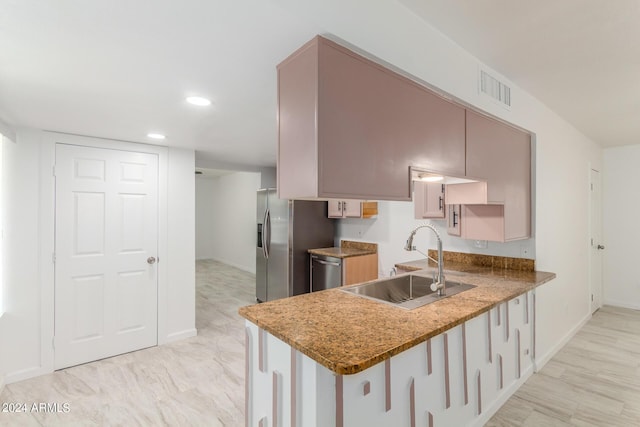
(438, 282)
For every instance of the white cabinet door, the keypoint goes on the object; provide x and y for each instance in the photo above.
(335, 208)
(428, 200)
(106, 249)
(344, 208)
(352, 208)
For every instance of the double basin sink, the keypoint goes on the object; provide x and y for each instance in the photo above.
(408, 291)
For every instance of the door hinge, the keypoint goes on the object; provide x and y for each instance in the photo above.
(53, 342)
(53, 257)
(591, 297)
(53, 171)
(591, 187)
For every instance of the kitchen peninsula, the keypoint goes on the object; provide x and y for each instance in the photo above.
(335, 359)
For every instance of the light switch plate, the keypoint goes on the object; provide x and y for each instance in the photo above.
(482, 244)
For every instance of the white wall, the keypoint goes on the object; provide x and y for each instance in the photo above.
(205, 208)
(20, 325)
(181, 269)
(621, 202)
(26, 328)
(563, 155)
(394, 224)
(226, 215)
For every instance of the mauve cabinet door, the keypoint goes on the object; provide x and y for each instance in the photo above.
(373, 124)
(502, 155)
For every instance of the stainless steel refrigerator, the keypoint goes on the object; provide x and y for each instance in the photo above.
(286, 229)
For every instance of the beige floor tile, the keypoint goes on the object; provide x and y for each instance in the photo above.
(593, 381)
(194, 382)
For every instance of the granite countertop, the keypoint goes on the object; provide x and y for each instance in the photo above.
(341, 252)
(347, 249)
(348, 334)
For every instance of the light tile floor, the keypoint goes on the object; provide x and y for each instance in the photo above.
(593, 381)
(194, 382)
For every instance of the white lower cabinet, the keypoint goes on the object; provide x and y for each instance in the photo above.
(458, 378)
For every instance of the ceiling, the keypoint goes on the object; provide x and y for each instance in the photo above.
(121, 69)
(579, 57)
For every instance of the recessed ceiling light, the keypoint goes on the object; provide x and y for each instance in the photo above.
(198, 100)
(156, 135)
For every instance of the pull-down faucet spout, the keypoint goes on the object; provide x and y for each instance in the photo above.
(439, 283)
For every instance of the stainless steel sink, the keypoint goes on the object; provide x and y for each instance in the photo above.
(408, 291)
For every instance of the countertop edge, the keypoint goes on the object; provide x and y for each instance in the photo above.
(349, 369)
(336, 252)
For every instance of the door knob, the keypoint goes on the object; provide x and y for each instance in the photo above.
(600, 247)
(151, 260)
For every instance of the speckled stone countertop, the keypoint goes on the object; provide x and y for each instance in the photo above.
(347, 249)
(348, 334)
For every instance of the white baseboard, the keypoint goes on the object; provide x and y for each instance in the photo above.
(542, 360)
(622, 304)
(1, 383)
(25, 374)
(36, 371)
(502, 399)
(177, 336)
(233, 264)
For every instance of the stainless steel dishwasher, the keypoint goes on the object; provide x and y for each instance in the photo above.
(326, 272)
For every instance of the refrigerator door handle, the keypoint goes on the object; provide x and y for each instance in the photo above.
(264, 235)
(267, 222)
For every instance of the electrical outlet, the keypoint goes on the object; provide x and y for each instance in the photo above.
(524, 251)
(482, 244)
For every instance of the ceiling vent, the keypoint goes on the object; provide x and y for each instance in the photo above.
(494, 89)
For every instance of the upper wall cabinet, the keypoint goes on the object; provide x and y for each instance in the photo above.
(500, 154)
(352, 209)
(428, 200)
(350, 128)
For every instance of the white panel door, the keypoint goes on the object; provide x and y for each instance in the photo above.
(106, 242)
(595, 258)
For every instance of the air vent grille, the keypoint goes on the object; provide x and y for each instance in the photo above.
(495, 89)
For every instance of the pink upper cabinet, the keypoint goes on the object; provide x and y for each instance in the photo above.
(500, 154)
(350, 128)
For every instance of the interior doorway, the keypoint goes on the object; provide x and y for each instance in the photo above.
(595, 240)
(106, 249)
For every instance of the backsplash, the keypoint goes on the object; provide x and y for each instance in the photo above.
(507, 263)
(348, 244)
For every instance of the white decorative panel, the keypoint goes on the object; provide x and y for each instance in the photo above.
(88, 295)
(93, 169)
(132, 172)
(133, 222)
(130, 301)
(89, 223)
(398, 391)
